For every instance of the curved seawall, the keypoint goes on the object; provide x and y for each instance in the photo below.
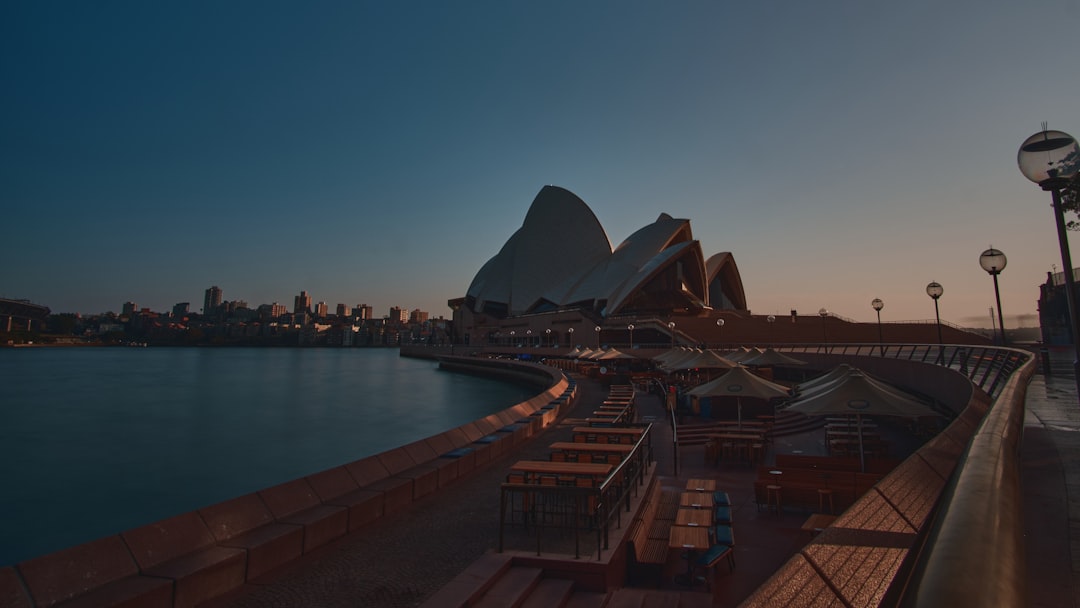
(198, 555)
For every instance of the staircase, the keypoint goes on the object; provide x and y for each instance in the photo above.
(495, 582)
(793, 423)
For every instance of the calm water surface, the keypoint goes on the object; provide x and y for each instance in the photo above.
(95, 441)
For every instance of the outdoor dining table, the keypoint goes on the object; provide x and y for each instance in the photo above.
(693, 517)
(621, 449)
(612, 431)
(696, 500)
(693, 539)
(626, 435)
(533, 469)
(700, 485)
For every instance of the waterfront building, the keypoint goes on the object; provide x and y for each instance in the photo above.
(1054, 309)
(321, 310)
(181, 309)
(211, 300)
(302, 303)
(129, 309)
(418, 316)
(342, 310)
(399, 315)
(363, 312)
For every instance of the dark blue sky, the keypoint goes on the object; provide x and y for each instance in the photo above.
(381, 153)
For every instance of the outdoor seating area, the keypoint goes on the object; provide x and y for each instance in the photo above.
(584, 481)
(816, 483)
(694, 524)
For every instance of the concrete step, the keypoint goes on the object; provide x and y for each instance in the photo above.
(550, 593)
(511, 589)
(587, 599)
(651, 598)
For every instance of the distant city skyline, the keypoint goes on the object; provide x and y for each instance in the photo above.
(383, 153)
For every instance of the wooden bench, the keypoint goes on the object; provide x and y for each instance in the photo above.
(246, 523)
(183, 549)
(644, 550)
(295, 502)
(99, 573)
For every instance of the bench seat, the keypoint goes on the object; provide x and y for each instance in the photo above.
(182, 548)
(99, 573)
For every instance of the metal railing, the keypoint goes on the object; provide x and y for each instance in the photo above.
(986, 366)
(549, 509)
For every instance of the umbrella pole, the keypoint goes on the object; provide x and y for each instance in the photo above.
(862, 457)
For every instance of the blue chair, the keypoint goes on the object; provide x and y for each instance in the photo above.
(721, 498)
(712, 556)
(722, 515)
(722, 535)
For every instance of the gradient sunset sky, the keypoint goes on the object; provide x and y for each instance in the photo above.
(380, 153)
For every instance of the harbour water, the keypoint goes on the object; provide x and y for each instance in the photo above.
(95, 441)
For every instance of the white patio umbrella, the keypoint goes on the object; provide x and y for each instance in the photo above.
(771, 357)
(701, 360)
(740, 382)
(860, 395)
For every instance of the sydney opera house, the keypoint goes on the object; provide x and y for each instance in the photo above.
(557, 282)
(561, 261)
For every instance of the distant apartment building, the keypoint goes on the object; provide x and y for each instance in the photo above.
(302, 303)
(277, 310)
(342, 310)
(212, 300)
(129, 309)
(398, 315)
(364, 312)
(321, 310)
(418, 316)
(181, 309)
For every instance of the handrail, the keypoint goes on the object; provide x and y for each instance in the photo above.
(981, 515)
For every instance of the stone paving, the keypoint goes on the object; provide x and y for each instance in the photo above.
(404, 557)
(1051, 483)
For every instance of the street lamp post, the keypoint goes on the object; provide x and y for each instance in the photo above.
(993, 261)
(878, 305)
(1051, 159)
(597, 330)
(934, 290)
(824, 336)
(671, 329)
(547, 332)
(528, 338)
(720, 324)
(630, 328)
(570, 338)
(771, 320)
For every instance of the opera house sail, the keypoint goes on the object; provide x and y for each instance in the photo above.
(560, 259)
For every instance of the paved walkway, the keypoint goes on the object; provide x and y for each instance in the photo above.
(405, 557)
(1051, 481)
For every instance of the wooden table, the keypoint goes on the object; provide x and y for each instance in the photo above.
(693, 517)
(696, 500)
(612, 431)
(693, 539)
(535, 468)
(700, 485)
(606, 448)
